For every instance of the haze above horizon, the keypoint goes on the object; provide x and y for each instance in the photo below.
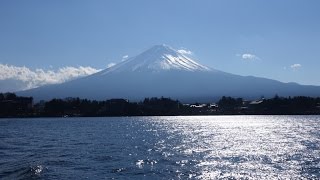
(272, 39)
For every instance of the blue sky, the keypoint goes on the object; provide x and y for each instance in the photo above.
(273, 39)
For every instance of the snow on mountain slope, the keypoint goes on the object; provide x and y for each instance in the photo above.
(158, 58)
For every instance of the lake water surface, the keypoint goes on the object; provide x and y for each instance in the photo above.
(194, 147)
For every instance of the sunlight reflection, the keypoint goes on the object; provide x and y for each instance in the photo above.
(237, 146)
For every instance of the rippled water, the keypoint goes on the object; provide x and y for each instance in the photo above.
(201, 147)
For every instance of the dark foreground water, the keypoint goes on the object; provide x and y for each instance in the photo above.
(214, 147)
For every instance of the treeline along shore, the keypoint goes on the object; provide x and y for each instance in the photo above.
(16, 106)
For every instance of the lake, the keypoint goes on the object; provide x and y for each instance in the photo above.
(182, 147)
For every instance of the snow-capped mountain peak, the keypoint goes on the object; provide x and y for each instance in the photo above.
(158, 58)
(164, 71)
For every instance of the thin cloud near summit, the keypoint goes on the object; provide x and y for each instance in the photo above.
(248, 57)
(184, 51)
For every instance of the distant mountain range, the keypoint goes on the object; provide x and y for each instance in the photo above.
(164, 71)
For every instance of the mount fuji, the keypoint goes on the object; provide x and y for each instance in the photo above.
(164, 71)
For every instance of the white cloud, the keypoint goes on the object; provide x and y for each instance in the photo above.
(295, 66)
(125, 57)
(110, 65)
(40, 77)
(185, 52)
(249, 57)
